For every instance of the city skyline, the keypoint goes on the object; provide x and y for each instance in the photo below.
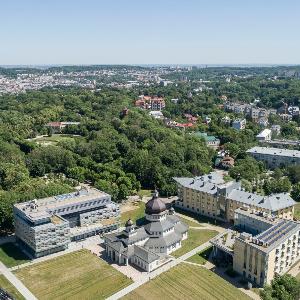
(146, 33)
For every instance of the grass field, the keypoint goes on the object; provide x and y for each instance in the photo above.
(53, 139)
(11, 255)
(195, 239)
(201, 257)
(77, 275)
(297, 211)
(135, 214)
(8, 287)
(199, 218)
(187, 282)
(191, 223)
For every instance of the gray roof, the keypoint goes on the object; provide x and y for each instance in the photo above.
(164, 241)
(273, 202)
(274, 151)
(158, 226)
(207, 183)
(181, 227)
(139, 235)
(173, 218)
(145, 254)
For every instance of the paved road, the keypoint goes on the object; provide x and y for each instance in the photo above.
(16, 282)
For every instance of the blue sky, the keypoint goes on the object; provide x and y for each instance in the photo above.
(149, 32)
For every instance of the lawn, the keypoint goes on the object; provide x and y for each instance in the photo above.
(135, 214)
(297, 211)
(198, 217)
(9, 288)
(77, 275)
(191, 223)
(11, 255)
(201, 257)
(54, 139)
(195, 238)
(187, 282)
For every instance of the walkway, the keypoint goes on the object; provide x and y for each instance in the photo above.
(157, 272)
(16, 282)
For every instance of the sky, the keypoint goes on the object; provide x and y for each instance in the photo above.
(42, 32)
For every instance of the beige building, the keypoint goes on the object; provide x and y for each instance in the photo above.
(261, 247)
(259, 258)
(211, 196)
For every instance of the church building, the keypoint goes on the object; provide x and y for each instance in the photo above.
(148, 246)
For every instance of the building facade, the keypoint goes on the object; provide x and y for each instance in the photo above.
(152, 103)
(275, 157)
(260, 257)
(48, 225)
(211, 196)
(239, 124)
(260, 247)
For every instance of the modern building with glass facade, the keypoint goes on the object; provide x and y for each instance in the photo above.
(48, 225)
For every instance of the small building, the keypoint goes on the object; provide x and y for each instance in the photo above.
(239, 124)
(210, 140)
(276, 129)
(226, 163)
(263, 122)
(293, 110)
(59, 126)
(147, 247)
(264, 135)
(286, 117)
(156, 114)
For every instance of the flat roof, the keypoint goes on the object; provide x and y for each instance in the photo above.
(264, 133)
(257, 215)
(274, 236)
(274, 151)
(42, 208)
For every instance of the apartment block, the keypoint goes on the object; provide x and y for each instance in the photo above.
(211, 196)
(48, 225)
(275, 157)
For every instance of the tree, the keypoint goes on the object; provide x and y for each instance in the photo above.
(285, 287)
(282, 185)
(295, 193)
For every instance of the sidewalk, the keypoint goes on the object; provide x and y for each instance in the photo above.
(16, 282)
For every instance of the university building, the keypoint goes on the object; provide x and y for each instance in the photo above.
(48, 225)
(261, 247)
(148, 247)
(211, 196)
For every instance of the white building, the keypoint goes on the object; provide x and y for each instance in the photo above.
(148, 246)
(264, 135)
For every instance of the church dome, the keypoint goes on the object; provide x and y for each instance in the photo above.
(155, 205)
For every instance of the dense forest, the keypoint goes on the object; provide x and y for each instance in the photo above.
(123, 153)
(114, 153)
